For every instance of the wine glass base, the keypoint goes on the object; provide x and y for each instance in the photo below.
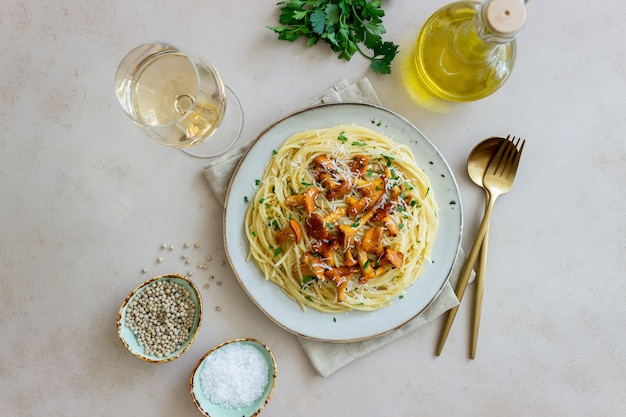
(226, 134)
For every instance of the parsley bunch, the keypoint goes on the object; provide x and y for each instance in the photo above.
(343, 24)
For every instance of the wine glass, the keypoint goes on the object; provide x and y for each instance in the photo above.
(178, 100)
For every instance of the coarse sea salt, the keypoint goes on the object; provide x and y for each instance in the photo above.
(234, 376)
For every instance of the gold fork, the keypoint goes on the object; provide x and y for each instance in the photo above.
(498, 180)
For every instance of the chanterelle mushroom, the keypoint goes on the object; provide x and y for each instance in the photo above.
(294, 233)
(372, 240)
(359, 164)
(312, 266)
(346, 235)
(306, 200)
(340, 276)
(372, 191)
(394, 257)
(309, 199)
(315, 226)
(367, 270)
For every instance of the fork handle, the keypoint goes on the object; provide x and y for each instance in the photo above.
(481, 267)
(466, 272)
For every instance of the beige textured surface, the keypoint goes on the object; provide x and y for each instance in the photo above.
(87, 202)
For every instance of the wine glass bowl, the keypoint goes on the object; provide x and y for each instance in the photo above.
(177, 99)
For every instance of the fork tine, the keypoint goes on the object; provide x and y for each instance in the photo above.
(517, 155)
(501, 160)
(508, 160)
(511, 150)
(496, 160)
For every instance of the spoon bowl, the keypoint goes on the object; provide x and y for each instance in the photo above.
(479, 158)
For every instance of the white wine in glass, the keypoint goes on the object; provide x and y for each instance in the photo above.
(178, 100)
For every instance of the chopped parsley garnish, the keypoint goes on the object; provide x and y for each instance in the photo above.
(305, 280)
(389, 160)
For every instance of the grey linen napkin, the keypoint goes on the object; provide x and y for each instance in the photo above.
(329, 357)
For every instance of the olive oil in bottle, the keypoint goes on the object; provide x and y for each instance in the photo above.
(466, 50)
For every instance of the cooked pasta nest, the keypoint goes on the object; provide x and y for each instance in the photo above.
(343, 219)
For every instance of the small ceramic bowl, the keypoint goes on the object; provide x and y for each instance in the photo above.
(128, 337)
(210, 409)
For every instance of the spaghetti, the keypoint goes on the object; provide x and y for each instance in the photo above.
(343, 219)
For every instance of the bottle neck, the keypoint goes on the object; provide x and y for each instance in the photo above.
(475, 42)
(484, 19)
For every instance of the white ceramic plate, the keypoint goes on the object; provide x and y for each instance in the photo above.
(354, 325)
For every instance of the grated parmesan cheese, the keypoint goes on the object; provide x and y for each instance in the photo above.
(234, 376)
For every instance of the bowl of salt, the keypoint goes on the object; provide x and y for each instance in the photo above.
(234, 379)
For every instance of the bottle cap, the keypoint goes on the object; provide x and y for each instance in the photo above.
(505, 17)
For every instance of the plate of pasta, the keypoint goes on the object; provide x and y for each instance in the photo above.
(342, 222)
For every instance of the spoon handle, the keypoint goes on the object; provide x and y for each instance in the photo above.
(466, 272)
(478, 296)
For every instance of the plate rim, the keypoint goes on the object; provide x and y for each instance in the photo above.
(249, 148)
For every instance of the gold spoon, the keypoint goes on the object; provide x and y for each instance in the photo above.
(477, 163)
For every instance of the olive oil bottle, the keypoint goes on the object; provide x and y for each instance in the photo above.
(466, 50)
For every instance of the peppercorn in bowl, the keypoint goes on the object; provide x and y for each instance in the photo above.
(234, 379)
(159, 319)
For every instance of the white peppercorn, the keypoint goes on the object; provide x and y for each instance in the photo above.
(161, 317)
